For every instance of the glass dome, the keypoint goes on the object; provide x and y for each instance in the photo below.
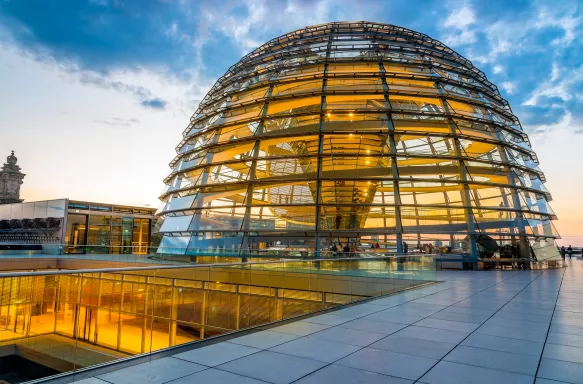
(360, 132)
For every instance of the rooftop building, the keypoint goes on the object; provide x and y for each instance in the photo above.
(72, 226)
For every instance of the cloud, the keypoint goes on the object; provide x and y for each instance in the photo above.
(167, 54)
(561, 17)
(458, 24)
(557, 87)
(534, 28)
(144, 95)
(508, 86)
(460, 18)
(555, 71)
(567, 123)
(100, 35)
(93, 40)
(118, 122)
(154, 103)
(250, 23)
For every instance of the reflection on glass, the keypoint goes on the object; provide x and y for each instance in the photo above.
(99, 234)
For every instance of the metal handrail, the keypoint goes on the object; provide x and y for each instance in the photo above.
(165, 267)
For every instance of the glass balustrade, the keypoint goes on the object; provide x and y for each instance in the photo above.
(70, 320)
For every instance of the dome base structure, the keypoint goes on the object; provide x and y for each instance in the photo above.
(356, 132)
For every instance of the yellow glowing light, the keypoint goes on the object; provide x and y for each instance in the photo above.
(328, 114)
(351, 114)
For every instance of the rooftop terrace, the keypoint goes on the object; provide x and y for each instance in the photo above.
(474, 327)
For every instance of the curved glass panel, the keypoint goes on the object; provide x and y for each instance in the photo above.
(355, 132)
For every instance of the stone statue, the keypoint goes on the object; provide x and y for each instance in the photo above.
(10, 181)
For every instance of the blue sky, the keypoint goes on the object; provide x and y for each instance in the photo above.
(95, 93)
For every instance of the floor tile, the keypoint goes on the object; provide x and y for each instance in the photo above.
(264, 339)
(561, 371)
(300, 328)
(565, 328)
(504, 344)
(215, 376)
(568, 308)
(359, 310)
(512, 333)
(471, 311)
(373, 326)
(540, 380)
(327, 319)
(426, 306)
(498, 360)
(348, 336)
(444, 301)
(394, 318)
(338, 374)
(272, 367)
(216, 354)
(565, 339)
(515, 323)
(391, 301)
(154, 372)
(568, 322)
(483, 304)
(409, 311)
(512, 308)
(448, 324)
(316, 349)
(523, 316)
(443, 335)
(563, 352)
(568, 315)
(388, 363)
(412, 346)
(452, 373)
(465, 317)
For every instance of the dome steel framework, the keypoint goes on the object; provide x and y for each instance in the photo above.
(355, 131)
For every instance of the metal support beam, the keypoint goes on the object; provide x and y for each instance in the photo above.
(464, 177)
(394, 167)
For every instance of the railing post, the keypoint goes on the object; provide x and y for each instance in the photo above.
(145, 322)
(173, 315)
(96, 328)
(203, 311)
(238, 309)
(119, 317)
(278, 305)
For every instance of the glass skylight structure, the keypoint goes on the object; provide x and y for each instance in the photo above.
(355, 132)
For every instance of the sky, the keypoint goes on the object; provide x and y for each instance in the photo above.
(95, 94)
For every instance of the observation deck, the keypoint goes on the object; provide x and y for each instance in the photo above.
(479, 327)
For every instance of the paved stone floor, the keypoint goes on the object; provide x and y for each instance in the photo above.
(475, 327)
